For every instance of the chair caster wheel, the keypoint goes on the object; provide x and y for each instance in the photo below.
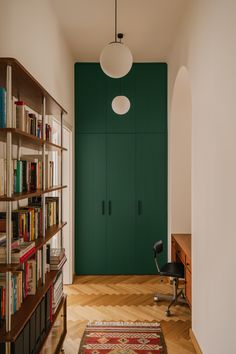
(156, 298)
(168, 313)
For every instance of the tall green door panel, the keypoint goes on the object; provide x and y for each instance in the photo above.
(150, 97)
(122, 87)
(90, 98)
(120, 196)
(90, 199)
(151, 199)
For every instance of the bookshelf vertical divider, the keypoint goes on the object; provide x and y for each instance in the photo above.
(9, 204)
(61, 214)
(43, 196)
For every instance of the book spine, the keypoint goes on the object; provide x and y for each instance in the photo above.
(19, 177)
(27, 255)
(2, 107)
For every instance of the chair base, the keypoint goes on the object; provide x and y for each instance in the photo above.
(174, 299)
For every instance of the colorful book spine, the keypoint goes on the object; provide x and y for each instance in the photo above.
(19, 177)
(3, 113)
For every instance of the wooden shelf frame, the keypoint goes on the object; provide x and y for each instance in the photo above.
(28, 140)
(39, 243)
(25, 195)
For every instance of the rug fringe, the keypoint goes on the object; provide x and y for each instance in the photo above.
(134, 324)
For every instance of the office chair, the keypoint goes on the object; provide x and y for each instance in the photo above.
(171, 269)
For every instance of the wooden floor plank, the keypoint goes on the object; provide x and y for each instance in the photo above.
(124, 298)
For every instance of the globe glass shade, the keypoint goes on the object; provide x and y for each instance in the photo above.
(120, 105)
(116, 60)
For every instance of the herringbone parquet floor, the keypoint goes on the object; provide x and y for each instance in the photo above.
(124, 298)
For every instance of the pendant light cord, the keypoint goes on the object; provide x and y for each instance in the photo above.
(115, 21)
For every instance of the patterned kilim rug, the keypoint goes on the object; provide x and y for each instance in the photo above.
(123, 338)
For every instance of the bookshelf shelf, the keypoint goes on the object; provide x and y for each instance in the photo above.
(39, 243)
(21, 317)
(28, 140)
(20, 196)
(22, 94)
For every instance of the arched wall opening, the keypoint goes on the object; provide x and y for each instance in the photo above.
(180, 137)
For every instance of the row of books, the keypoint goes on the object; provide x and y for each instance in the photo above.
(27, 222)
(26, 281)
(27, 174)
(23, 119)
(57, 258)
(51, 209)
(26, 121)
(20, 251)
(57, 293)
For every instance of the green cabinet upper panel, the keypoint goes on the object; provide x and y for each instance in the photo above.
(145, 86)
(90, 98)
(150, 97)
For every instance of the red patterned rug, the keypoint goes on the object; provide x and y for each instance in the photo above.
(123, 338)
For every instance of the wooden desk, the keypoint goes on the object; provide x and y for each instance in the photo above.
(181, 252)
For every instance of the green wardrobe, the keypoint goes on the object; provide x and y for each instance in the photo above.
(121, 170)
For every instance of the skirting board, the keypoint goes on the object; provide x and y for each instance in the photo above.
(195, 342)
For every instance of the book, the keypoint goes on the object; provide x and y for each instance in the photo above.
(58, 265)
(56, 255)
(2, 176)
(20, 115)
(3, 113)
(32, 277)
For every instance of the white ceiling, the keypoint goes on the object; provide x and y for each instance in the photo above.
(149, 26)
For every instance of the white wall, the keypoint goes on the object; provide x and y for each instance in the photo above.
(180, 126)
(206, 45)
(30, 32)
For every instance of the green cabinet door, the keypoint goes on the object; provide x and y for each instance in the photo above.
(150, 97)
(151, 199)
(121, 198)
(90, 198)
(90, 98)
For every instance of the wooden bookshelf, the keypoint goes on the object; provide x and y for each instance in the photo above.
(28, 140)
(24, 195)
(19, 83)
(39, 243)
(21, 317)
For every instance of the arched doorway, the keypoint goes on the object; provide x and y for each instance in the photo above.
(180, 154)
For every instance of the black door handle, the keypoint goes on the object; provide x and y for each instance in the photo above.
(109, 208)
(139, 207)
(103, 207)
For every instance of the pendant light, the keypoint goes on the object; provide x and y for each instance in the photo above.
(116, 59)
(120, 105)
